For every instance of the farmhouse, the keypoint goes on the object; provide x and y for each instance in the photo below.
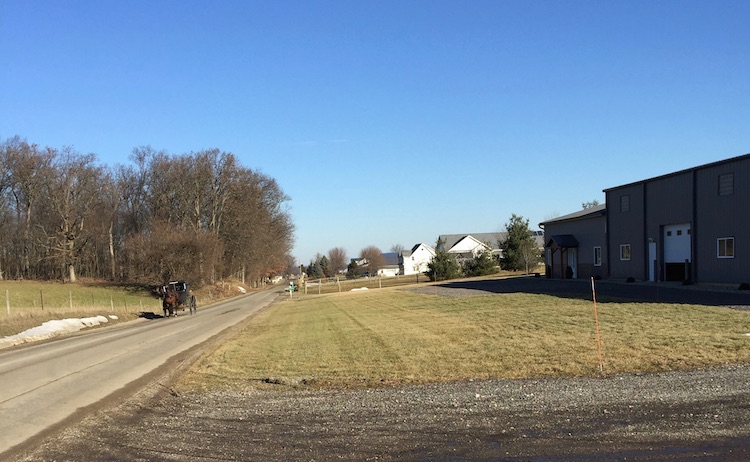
(415, 260)
(689, 225)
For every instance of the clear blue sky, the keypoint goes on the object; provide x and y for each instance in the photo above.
(390, 122)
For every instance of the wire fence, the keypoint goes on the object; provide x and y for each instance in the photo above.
(18, 302)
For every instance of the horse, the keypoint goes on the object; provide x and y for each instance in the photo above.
(170, 302)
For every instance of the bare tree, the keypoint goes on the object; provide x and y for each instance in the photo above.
(529, 255)
(73, 193)
(32, 170)
(397, 248)
(374, 258)
(338, 259)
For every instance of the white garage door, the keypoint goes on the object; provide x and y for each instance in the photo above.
(677, 243)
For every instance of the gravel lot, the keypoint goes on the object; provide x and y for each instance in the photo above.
(697, 415)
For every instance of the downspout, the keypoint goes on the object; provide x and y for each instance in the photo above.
(608, 272)
(647, 263)
(694, 232)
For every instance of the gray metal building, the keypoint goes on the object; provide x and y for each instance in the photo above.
(576, 244)
(689, 225)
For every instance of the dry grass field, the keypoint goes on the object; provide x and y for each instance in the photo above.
(397, 336)
(26, 304)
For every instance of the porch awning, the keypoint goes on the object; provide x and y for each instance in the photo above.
(562, 240)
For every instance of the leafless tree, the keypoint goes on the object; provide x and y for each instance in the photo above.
(374, 258)
(73, 192)
(31, 172)
(338, 259)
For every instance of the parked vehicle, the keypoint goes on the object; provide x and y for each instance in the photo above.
(178, 296)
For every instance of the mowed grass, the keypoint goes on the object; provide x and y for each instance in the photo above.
(395, 336)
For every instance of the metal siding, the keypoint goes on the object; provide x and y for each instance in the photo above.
(723, 216)
(589, 233)
(669, 201)
(626, 228)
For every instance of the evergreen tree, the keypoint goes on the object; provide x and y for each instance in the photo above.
(518, 240)
(352, 271)
(481, 265)
(325, 266)
(443, 265)
(314, 271)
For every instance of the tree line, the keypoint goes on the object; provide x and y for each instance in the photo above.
(199, 216)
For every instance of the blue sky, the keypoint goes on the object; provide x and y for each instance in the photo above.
(390, 122)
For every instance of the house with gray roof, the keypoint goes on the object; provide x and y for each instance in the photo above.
(467, 246)
(416, 259)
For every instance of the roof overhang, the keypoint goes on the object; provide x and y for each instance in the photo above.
(562, 241)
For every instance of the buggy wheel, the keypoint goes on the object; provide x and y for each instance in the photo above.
(193, 305)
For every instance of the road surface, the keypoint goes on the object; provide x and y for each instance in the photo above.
(43, 385)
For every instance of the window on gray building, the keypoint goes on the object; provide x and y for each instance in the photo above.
(725, 247)
(597, 256)
(625, 203)
(726, 184)
(624, 251)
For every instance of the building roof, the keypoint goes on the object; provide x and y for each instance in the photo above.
(491, 239)
(590, 212)
(680, 172)
(390, 258)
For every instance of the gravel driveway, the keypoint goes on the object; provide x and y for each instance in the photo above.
(697, 415)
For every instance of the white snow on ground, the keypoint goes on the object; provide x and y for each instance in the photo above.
(53, 328)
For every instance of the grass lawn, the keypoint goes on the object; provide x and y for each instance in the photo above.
(395, 336)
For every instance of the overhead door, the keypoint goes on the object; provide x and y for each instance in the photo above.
(677, 253)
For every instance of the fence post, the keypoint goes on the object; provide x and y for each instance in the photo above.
(41, 297)
(70, 299)
(7, 302)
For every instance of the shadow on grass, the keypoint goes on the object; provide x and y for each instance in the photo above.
(606, 291)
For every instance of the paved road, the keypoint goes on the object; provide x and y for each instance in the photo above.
(611, 291)
(42, 385)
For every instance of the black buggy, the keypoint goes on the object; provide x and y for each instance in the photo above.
(177, 296)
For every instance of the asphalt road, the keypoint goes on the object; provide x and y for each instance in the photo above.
(43, 385)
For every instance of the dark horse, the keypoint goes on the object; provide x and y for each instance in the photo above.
(170, 302)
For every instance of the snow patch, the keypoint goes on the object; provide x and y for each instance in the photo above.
(53, 328)
(359, 288)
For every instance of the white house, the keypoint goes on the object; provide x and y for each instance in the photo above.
(415, 260)
(391, 267)
(467, 246)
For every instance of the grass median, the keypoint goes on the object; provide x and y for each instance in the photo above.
(396, 336)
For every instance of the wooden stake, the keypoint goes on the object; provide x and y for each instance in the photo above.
(598, 335)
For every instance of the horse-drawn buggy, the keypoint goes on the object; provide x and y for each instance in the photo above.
(176, 295)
